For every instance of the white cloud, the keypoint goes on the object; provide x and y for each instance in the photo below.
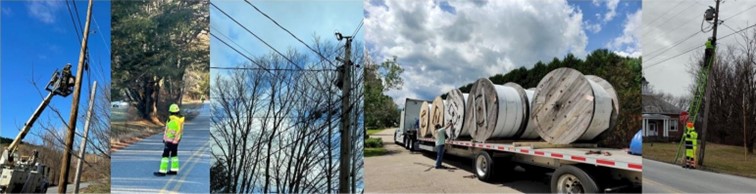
(593, 28)
(611, 6)
(440, 51)
(44, 11)
(628, 44)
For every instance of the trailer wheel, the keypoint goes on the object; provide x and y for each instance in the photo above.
(571, 179)
(485, 167)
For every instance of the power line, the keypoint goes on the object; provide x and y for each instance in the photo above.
(255, 35)
(692, 49)
(76, 28)
(287, 30)
(664, 50)
(242, 54)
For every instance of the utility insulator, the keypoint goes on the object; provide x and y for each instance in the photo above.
(709, 14)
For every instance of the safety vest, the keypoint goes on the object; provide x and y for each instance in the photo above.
(174, 127)
(690, 139)
(709, 45)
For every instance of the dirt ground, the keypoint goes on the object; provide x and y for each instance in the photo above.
(400, 171)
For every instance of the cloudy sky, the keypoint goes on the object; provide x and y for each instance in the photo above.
(672, 28)
(445, 44)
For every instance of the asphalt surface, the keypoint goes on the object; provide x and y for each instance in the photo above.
(403, 172)
(659, 177)
(132, 167)
(69, 188)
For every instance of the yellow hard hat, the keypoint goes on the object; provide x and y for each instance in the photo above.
(174, 108)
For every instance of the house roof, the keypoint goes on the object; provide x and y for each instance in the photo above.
(652, 104)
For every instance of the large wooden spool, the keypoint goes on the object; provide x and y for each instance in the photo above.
(495, 111)
(437, 115)
(425, 115)
(455, 113)
(612, 94)
(568, 107)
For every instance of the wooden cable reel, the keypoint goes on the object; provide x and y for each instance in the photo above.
(569, 106)
(437, 115)
(425, 111)
(495, 111)
(455, 113)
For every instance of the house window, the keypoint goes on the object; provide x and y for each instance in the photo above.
(673, 125)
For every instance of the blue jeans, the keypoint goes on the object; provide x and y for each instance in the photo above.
(439, 155)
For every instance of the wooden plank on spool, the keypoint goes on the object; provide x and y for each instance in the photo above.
(425, 111)
(563, 106)
(530, 130)
(437, 115)
(612, 93)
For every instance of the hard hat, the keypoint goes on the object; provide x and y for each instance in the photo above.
(690, 125)
(174, 108)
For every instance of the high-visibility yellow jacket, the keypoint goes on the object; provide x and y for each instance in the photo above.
(174, 128)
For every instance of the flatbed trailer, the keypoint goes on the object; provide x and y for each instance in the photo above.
(576, 168)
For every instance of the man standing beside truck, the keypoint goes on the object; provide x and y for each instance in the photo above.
(440, 141)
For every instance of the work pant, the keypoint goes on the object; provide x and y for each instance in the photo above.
(439, 155)
(170, 153)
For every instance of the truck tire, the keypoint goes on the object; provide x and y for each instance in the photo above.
(485, 167)
(571, 179)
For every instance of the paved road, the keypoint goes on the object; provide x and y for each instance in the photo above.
(132, 167)
(69, 189)
(403, 172)
(659, 177)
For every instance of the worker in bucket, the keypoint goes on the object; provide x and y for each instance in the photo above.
(691, 142)
(174, 127)
(440, 141)
(708, 51)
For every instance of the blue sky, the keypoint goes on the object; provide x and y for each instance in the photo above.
(462, 41)
(38, 38)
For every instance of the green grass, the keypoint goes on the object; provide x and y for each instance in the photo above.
(374, 131)
(719, 158)
(375, 152)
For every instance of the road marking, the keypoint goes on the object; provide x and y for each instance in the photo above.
(666, 188)
(183, 177)
(190, 160)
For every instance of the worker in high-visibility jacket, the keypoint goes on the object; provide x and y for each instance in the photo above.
(708, 52)
(691, 144)
(174, 128)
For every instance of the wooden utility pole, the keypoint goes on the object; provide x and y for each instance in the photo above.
(66, 161)
(83, 146)
(707, 99)
(346, 134)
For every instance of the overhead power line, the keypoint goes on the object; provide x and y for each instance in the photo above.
(699, 46)
(255, 35)
(287, 31)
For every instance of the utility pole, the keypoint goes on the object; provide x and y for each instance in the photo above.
(346, 135)
(707, 99)
(62, 182)
(83, 146)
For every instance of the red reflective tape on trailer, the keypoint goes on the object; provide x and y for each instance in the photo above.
(488, 146)
(555, 155)
(635, 166)
(524, 151)
(578, 158)
(501, 148)
(605, 162)
(539, 153)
